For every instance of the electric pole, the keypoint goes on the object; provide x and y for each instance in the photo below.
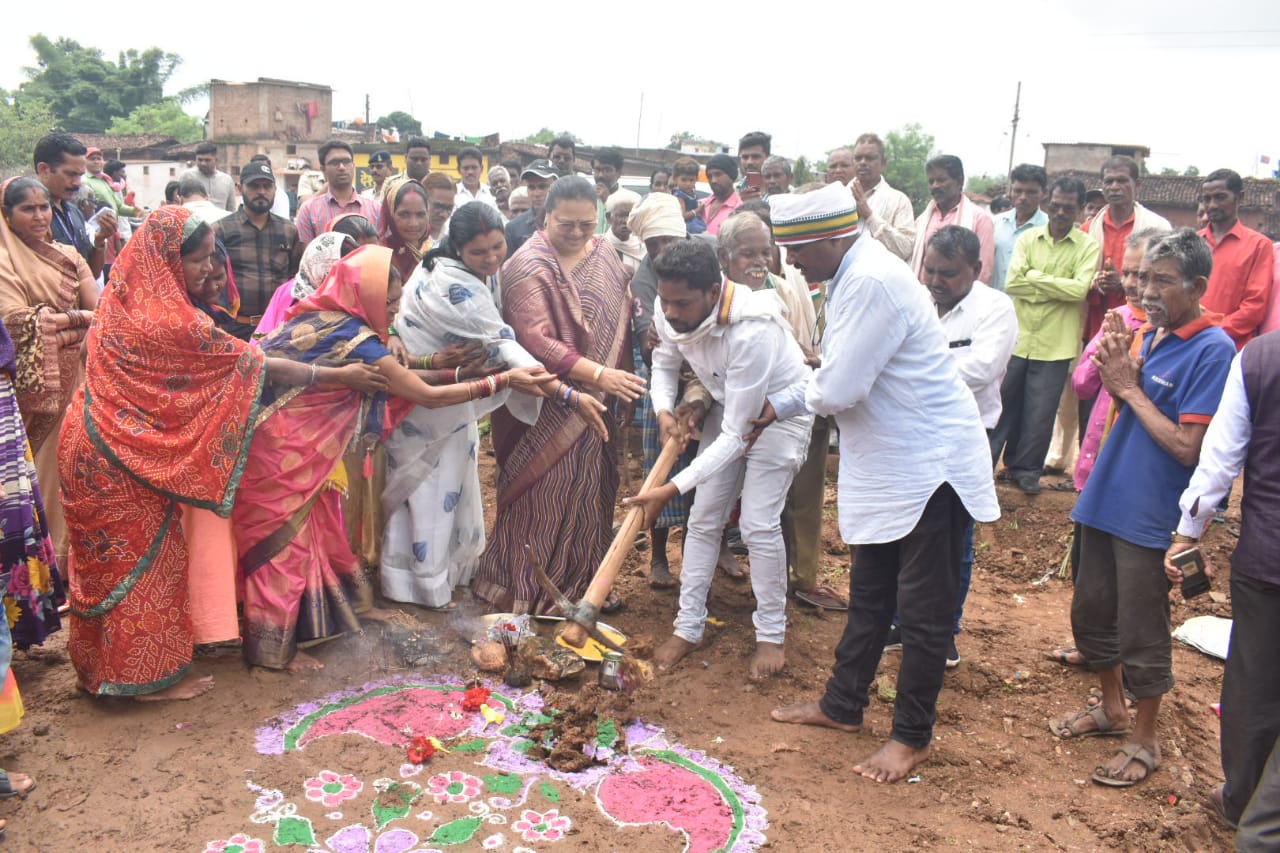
(1013, 139)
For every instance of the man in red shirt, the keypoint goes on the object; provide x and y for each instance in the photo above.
(1243, 260)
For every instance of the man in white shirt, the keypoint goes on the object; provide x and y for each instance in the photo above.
(982, 329)
(886, 213)
(741, 348)
(219, 187)
(914, 468)
(194, 198)
(470, 165)
(1244, 435)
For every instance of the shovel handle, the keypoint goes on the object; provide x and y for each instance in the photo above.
(598, 591)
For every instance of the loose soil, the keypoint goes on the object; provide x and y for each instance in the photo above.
(119, 776)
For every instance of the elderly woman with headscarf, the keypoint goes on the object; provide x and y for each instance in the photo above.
(657, 222)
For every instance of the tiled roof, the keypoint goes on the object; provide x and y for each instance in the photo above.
(125, 141)
(1184, 190)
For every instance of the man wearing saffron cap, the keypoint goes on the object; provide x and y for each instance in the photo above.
(914, 468)
(741, 348)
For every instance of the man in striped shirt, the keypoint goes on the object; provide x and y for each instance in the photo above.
(339, 197)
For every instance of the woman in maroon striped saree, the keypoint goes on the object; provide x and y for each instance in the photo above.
(565, 295)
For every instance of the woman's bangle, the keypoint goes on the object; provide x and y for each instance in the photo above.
(595, 377)
(457, 373)
(493, 385)
(429, 357)
(312, 381)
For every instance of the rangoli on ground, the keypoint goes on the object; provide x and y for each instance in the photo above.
(478, 790)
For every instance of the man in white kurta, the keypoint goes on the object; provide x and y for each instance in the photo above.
(741, 348)
(914, 468)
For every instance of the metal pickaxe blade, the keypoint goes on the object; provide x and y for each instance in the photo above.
(583, 614)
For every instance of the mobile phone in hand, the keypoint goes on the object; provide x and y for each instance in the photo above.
(755, 180)
(1194, 580)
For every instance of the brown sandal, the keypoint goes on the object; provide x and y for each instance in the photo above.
(1066, 729)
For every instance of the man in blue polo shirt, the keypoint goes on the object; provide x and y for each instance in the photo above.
(1167, 396)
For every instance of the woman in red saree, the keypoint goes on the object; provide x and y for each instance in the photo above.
(164, 420)
(564, 293)
(299, 574)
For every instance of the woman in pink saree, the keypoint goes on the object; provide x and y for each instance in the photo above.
(299, 575)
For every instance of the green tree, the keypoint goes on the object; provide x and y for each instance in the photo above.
(984, 184)
(164, 118)
(1191, 171)
(907, 149)
(546, 134)
(1168, 170)
(803, 171)
(85, 91)
(406, 124)
(21, 126)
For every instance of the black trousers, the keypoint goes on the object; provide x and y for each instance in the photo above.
(1260, 824)
(919, 576)
(1250, 689)
(1029, 395)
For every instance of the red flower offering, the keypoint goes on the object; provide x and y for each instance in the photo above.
(474, 697)
(420, 749)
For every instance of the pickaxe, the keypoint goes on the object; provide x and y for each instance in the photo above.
(580, 618)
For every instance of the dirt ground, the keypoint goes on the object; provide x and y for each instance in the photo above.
(120, 776)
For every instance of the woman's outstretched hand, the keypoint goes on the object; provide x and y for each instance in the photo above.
(365, 378)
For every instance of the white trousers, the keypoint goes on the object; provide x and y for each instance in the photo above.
(763, 477)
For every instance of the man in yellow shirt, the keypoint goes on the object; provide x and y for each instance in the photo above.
(1048, 279)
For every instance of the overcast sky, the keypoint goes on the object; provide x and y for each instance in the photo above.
(1194, 81)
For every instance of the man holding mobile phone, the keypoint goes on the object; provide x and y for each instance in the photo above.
(1166, 396)
(1244, 435)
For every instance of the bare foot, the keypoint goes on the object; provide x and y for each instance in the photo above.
(378, 614)
(672, 652)
(768, 660)
(303, 662)
(808, 714)
(729, 564)
(660, 573)
(891, 762)
(188, 688)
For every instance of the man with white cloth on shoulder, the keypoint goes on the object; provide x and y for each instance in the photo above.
(914, 467)
(741, 348)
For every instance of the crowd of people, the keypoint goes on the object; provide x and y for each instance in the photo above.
(234, 426)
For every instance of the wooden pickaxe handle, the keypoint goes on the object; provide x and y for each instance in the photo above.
(607, 573)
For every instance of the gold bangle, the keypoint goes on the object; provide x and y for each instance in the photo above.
(595, 377)
(430, 355)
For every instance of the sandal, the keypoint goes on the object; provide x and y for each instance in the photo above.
(824, 596)
(1132, 752)
(1066, 729)
(8, 791)
(1220, 806)
(612, 604)
(1063, 656)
